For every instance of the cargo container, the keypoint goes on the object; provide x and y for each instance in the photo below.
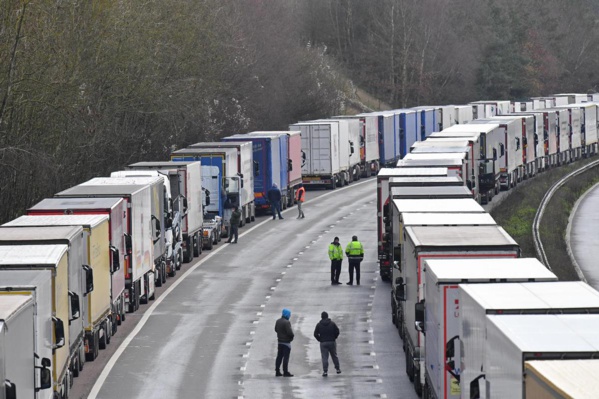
(543, 102)
(116, 210)
(521, 106)
(142, 232)
(17, 353)
(571, 98)
(456, 162)
(561, 379)
(546, 136)
(369, 143)
(387, 136)
(73, 237)
(443, 311)
(427, 242)
(324, 160)
(440, 208)
(513, 340)
(244, 170)
(429, 120)
(185, 182)
(382, 203)
(159, 206)
(583, 119)
(527, 128)
(232, 190)
(51, 258)
(544, 298)
(349, 142)
(492, 156)
(487, 109)
(97, 320)
(463, 114)
(292, 158)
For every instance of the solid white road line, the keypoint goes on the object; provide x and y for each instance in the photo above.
(142, 322)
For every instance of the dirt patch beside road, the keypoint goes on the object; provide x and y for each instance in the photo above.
(517, 211)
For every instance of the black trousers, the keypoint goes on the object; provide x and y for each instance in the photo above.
(234, 232)
(283, 352)
(354, 265)
(335, 270)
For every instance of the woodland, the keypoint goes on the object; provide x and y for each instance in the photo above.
(89, 86)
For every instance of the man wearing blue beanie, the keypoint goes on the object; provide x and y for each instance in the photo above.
(284, 337)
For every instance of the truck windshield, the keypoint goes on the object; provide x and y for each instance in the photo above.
(232, 185)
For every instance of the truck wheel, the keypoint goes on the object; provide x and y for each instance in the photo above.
(179, 259)
(188, 250)
(173, 272)
(158, 282)
(75, 368)
(215, 241)
(210, 244)
(108, 331)
(102, 341)
(163, 274)
(196, 245)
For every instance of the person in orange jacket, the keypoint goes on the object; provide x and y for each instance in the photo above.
(300, 196)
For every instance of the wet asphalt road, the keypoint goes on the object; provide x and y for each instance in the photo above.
(584, 235)
(210, 331)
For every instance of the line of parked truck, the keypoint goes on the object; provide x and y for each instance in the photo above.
(476, 319)
(75, 265)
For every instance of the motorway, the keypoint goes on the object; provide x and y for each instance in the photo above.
(583, 236)
(210, 331)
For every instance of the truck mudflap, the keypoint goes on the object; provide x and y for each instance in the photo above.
(385, 269)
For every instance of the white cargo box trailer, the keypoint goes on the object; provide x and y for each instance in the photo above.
(561, 379)
(444, 311)
(395, 231)
(456, 163)
(139, 270)
(427, 242)
(566, 134)
(321, 154)
(17, 353)
(383, 211)
(514, 339)
(571, 98)
(502, 299)
(349, 144)
(463, 114)
(513, 170)
(368, 142)
(528, 128)
(72, 236)
(185, 179)
(583, 116)
(430, 192)
(52, 259)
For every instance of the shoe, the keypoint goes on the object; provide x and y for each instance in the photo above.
(235, 242)
(273, 218)
(303, 217)
(287, 374)
(358, 283)
(325, 374)
(349, 283)
(278, 374)
(338, 371)
(228, 242)
(280, 218)
(333, 283)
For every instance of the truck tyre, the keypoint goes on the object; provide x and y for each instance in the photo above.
(196, 245)
(179, 259)
(215, 239)
(210, 244)
(188, 250)
(102, 341)
(108, 331)
(164, 271)
(173, 272)
(75, 368)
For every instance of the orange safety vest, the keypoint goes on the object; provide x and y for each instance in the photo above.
(300, 194)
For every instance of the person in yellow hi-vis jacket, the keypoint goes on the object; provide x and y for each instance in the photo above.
(355, 254)
(336, 257)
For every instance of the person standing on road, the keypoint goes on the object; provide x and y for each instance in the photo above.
(235, 219)
(300, 196)
(284, 337)
(355, 254)
(326, 332)
(336, 257)
(274, 197)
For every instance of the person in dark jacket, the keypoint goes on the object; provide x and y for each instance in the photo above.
(274, 197)
(326, 332)
(235, 219)
(284, 337)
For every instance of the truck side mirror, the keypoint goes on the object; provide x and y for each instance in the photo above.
(494, 154)
(207, 197)
(156, 229)
(128, 245)
(397, 255)
(185, 206)
(400, 289)
(475, 387)
(45, 374)
(115, 263)
(168, 222)
(450, 348)
(256, 168)
(419, 316)
(289, 165)
(351, 148)
(58, 332)
(89, 279)
(75, 307)
(10, 390)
